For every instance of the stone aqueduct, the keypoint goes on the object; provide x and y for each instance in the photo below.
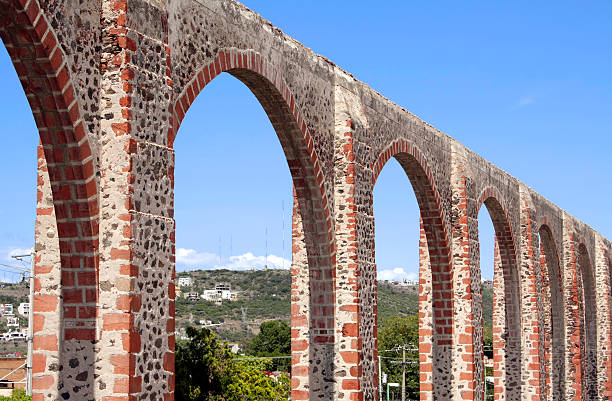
(109, 82)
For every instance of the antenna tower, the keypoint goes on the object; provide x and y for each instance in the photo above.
(244, 309)
(283, 213)
(219, 256)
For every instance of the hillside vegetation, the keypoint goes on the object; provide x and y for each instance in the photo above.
(266, 295)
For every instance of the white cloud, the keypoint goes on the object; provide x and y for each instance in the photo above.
(190, 259)
(396, 274)
(523, 102)
(250, 261)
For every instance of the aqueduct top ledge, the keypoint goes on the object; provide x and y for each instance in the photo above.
(197, 30)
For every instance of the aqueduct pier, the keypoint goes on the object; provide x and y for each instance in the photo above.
(109, 83)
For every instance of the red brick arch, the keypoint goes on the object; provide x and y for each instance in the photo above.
(39, 62)
(506, 334)
(267, 84)
(416, 168)
(554, 327)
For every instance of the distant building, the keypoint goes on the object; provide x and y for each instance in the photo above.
(6, 309)
(180, 334)
(211, 295)
(12, 321)
(192, 296)
(220, 293)
(24, 308)
(185, 282)
(13, 371)
(14, 335)
(235, 348)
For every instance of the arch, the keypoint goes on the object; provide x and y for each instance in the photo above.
(588, 330)
(267, 84)
(39, 62)
(552, 287)
(506, 328)
(434, 345)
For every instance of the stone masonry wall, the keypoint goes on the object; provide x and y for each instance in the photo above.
(110, 82)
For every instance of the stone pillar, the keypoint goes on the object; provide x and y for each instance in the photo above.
(546, 329)
(467, 330)
(531, 302)
(356, 356)
(604, 317)
(426, 319)
(47, 308)
(553, 318)
(300, 310)
(135, 357)
(500, 331)
(573, 314)
(584, 303)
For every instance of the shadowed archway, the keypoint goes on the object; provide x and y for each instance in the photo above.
(554, 329)
(314, 233)
(506, 301)
(435, 281)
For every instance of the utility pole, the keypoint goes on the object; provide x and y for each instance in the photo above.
(380, 387)
(220, 260)
(266, 264)
(30, 337)
(404, 348)
(283, 218)
(244, 309)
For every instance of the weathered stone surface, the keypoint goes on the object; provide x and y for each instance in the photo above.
(109, 83)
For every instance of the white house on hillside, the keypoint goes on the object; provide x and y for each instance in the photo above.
(6, 309)
(24, 308)
(185, 281)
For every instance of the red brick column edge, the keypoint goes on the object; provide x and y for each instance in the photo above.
(39, 61)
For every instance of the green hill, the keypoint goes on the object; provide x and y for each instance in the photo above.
(266, 295)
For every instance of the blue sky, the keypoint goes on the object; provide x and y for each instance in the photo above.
(527, 86)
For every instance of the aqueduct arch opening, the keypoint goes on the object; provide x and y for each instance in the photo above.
(435, 281)
(312, 312)
(506, 302)
(554, 329)
(399, 248)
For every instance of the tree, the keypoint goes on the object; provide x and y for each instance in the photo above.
(209, 371)
(247, 382)
(199, 366)
(396, 332)
(274, 339)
